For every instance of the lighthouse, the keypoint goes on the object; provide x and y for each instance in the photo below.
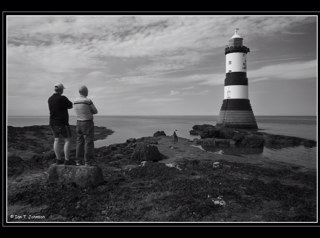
(236, 109)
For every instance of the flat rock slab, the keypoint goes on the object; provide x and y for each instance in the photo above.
(83, 176)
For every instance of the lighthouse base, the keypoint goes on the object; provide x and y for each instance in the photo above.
(237, 113)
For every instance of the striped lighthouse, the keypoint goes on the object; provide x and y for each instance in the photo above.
(236, 110)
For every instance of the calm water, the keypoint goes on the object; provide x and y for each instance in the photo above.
(137, 126)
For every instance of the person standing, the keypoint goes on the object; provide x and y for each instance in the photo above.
(175, 137)
(84, 109)
(59, 123)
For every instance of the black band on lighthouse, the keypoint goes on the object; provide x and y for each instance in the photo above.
(236, 104)
(233, 49)
(236, 78)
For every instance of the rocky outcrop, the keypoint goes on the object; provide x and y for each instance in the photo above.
(146, 152)
(83, 176)
(248, 138)
(39, 139)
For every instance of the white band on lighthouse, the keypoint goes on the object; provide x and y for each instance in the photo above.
(236, 91)
(236, 62)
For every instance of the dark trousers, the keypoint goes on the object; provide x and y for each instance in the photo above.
(85, 138)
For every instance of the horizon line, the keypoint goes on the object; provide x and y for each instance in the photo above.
(149, 115)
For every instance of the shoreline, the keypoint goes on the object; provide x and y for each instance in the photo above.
(157, 179)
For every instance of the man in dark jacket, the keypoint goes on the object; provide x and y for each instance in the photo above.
(59, 122)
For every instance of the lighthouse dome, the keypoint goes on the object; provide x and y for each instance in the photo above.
(236, 40)
(236, 35)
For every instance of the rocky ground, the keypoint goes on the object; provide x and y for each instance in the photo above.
(155, 179)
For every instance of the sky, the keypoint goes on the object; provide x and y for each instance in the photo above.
(160, 65)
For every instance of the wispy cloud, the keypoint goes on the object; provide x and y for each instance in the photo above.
(286, 71)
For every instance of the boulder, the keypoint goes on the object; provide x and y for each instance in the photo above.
(83, 176)
(146, 152)
(159, 133)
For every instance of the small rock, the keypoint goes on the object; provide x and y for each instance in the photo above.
(220, 152)
(216, 165)
(50, 155)
(118, 156)
(237, 138)
(159, 133)
(226, 133)
(252, 141)
(19, 179)
(219, 201)
(131, 140)
(309, 143)
(194, 133)
(209, 142)
(113, 147)
(222, 142)
(173, 165)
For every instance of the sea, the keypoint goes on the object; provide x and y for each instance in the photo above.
(126, 127)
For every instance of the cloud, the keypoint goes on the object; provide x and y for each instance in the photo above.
(188, 92)
(120, 57)
(173, 92)
(157, 100)
(142, 35)
(60, 44)
(286, 71)
(208, 79)
(187, 88)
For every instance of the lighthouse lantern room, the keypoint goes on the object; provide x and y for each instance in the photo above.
(236, 109)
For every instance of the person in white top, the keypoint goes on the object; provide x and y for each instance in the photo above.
(84, 109)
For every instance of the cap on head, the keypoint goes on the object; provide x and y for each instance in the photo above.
(58, 87)
(83, 90)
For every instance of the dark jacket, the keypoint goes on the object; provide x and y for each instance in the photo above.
(58, 106)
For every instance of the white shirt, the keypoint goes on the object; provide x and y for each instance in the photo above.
(84, 108)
